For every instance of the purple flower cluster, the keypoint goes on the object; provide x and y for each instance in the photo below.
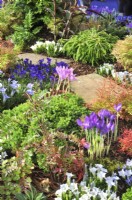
(35, 72)
(104, 121)
(123, 19)
(100, 10)
(65, 73)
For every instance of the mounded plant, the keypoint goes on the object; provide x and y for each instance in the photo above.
(61, 112)
(123, 52)
(90, 46)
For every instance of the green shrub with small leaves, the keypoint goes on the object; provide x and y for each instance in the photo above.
(91, 46)
(62, 111)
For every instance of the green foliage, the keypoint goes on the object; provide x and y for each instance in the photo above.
(31, 194)
(14, 171)
(7, 19)
(128, 194)
(25, 33)
(62, 111)
(110, 164)
(7, 55)
(123, 52)
(90, 46)
(117, 30)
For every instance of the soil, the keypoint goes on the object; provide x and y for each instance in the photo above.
(81, 69)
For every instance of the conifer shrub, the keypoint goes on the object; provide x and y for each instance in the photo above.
(123, 52)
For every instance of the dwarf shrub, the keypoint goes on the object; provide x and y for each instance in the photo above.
(61, 112)
(123, 52)
(90, 46)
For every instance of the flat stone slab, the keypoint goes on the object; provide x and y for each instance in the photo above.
(87, 86)
(36, 57)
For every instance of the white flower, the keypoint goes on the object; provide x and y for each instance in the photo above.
(103, 195)
(110, 181)
(58, 198)
(93, 170)
(128, 172)
(85, 197)
(1, 85)
(113, 73)
(83, 183)
(63, 188)
(122, 173)
(101, 175)
(73, 187)
(99, 166)
(129, 163)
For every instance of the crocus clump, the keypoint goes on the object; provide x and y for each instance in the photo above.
(100, 130)
(65, 75)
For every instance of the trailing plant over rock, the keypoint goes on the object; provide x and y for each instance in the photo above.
(90, 46)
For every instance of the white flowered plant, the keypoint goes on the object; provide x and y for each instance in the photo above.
(105, 69)
(109, 70)
(49, 47)
(88, 189)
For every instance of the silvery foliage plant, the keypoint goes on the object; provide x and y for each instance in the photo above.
(95, 178)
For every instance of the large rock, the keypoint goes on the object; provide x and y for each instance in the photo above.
(36, 57)
(87, 86)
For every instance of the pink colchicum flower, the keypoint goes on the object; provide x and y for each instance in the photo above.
(65, 73)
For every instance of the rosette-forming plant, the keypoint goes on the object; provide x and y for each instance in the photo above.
(100, 131)
(82, 47)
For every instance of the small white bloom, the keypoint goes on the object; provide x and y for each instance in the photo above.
(129, 163)
(93, 170)
(110, 182)
(73, 186)
(101, 175)
(122, 173)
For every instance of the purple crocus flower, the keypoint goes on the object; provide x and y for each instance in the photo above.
(65, 73)
(118, 107)
(104, 113)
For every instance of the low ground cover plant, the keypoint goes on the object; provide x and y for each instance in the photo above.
(82, 47)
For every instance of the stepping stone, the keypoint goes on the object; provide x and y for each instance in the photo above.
(87, 86)
(36, 57)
